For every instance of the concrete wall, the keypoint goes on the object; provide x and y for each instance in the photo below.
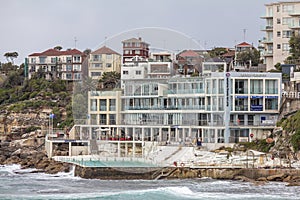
(79, 150)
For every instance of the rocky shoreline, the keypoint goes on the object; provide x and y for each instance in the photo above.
(29, 152)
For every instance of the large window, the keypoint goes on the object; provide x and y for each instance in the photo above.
(112, 105)
(241, 86)
(103, 105)
(241, 104)
(256, 86)
(96, 57)
(287, 8)
(93, 104)
(102, 119)
(112, 119)
(287, 34)
(271, 87)
(271, 103)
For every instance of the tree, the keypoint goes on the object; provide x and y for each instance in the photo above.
(10, 56)
(110, 80)
(87, 51)
(217, 52)
(294, 47)
(246, 56)
(58, 48)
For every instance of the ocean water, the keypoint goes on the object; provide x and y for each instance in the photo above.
(20, 184)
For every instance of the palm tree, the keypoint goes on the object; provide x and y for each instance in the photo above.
(110, 80)
(10, 56)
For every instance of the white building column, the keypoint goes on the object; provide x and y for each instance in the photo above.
(176, 135)
(183, 136)
(70, 148)
(160, 134)
(151, 134)
(119, 149)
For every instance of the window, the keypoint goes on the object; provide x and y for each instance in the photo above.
(53, 60)
(33, 60)
(108, 65)
(112, 105)
(285, 47)
(286, 21)
(68, 76)
(271, 86)
(138, 72)
(287, 8)
(125, 72)
(278, 33)
(278, 8)
(271, 104)
(76, 58)
(93, 104)
(102, 118)
(69, 59)
(278, 21)
(42, 60)
(126, 52)
(108, 56)
(77, 76)
(69, 67)
(97, 65)
(287, 34)
(137, 51)
(103, 105)
(96, 57)
(95, 73)
(278, 46)
(112, 119)
(241, 86)
(256, 86)
(76, 67)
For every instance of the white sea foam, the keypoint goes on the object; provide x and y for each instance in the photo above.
(9, 168)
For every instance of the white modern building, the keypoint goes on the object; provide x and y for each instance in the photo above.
(282, 21)
(219, 107)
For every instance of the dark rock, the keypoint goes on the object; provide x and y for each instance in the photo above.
(276, 177)
(262, 179)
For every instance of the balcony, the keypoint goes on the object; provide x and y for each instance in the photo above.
(268, 53)
(267, 17)
(267, 28)
(294, 26)
(295, 13)
(267, 41)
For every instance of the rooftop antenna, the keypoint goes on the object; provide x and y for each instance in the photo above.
(75, 41)
(105, 39)
(244, 30)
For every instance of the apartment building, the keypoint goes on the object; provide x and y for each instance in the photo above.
(103, 60)
(282, 21)
(220, 107)
(135, 50)
(54, 63)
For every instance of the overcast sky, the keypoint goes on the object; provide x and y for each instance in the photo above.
(29, 26)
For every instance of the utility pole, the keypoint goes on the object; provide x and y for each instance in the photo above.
(75, 41)
(244, 30)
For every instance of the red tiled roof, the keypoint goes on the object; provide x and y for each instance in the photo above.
(229, 54)
(189, 53)
(105, 50)
(243, 44)
(54, 52)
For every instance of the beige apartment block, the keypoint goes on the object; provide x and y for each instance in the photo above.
(104, 60)
(282, 21)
